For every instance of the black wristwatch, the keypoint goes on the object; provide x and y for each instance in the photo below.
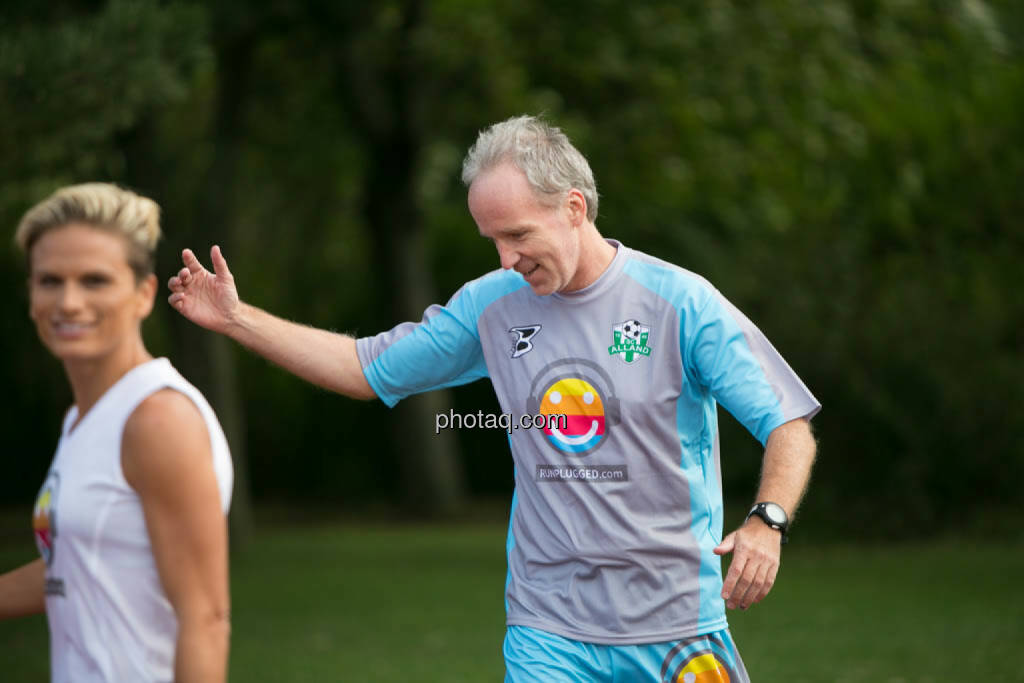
(773, 515)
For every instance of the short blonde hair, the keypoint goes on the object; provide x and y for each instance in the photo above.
(103, 206)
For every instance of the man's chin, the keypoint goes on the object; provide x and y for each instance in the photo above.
(540, 285)
(542, 290)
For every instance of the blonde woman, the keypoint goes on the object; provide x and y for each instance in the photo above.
(131, 519)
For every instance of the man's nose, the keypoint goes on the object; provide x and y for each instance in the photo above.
(508, 257)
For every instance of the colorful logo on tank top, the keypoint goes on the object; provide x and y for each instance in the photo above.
(44, 517)
(629, 341)
(578, 405)
(695, 663)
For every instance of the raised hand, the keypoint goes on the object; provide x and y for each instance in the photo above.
(207, 299)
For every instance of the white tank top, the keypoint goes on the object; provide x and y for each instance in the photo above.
(109, 617)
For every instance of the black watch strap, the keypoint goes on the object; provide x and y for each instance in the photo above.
(773, 515)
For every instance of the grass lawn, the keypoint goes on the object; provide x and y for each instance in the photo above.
(402, 603)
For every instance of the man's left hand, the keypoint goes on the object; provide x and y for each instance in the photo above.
(756, 548)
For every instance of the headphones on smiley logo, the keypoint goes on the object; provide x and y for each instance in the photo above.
(612, 409)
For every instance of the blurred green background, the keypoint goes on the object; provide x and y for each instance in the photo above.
(847, 173)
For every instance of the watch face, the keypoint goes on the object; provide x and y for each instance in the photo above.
(775, 513)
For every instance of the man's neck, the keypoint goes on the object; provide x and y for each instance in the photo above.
(596, 254)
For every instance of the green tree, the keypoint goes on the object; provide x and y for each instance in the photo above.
(72, 80)
(845, 172)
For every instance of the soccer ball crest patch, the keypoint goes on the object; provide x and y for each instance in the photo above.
(629, 340)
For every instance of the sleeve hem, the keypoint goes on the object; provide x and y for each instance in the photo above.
(805, 412)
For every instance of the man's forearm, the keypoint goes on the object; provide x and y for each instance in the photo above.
(788, 457)
(327, 359)
(756, 547)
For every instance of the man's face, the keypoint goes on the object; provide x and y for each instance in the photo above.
(540, 242)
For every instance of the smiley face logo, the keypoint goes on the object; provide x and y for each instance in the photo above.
(576, 396)
(577, 410)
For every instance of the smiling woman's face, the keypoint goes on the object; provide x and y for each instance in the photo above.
(83, 295)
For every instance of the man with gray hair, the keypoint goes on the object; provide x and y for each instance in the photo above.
(615, 537)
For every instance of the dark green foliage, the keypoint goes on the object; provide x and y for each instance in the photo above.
(847, 173)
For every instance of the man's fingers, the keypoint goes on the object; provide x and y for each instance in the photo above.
(729, 588)
(756, 588)
(751, 574)
(727, 545)
(220, 264)
(738, 594)
(755, 564)
(767, 582)
(752, 581)
(192, 264)
(179, 280)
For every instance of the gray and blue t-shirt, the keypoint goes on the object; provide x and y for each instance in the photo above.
(618, 504)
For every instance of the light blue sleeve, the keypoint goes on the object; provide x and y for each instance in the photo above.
(442, 350)
(729, 355)
(724, 354)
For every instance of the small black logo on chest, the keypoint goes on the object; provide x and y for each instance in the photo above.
(523, 335)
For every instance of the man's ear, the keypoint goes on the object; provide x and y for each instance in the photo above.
(577, 206)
